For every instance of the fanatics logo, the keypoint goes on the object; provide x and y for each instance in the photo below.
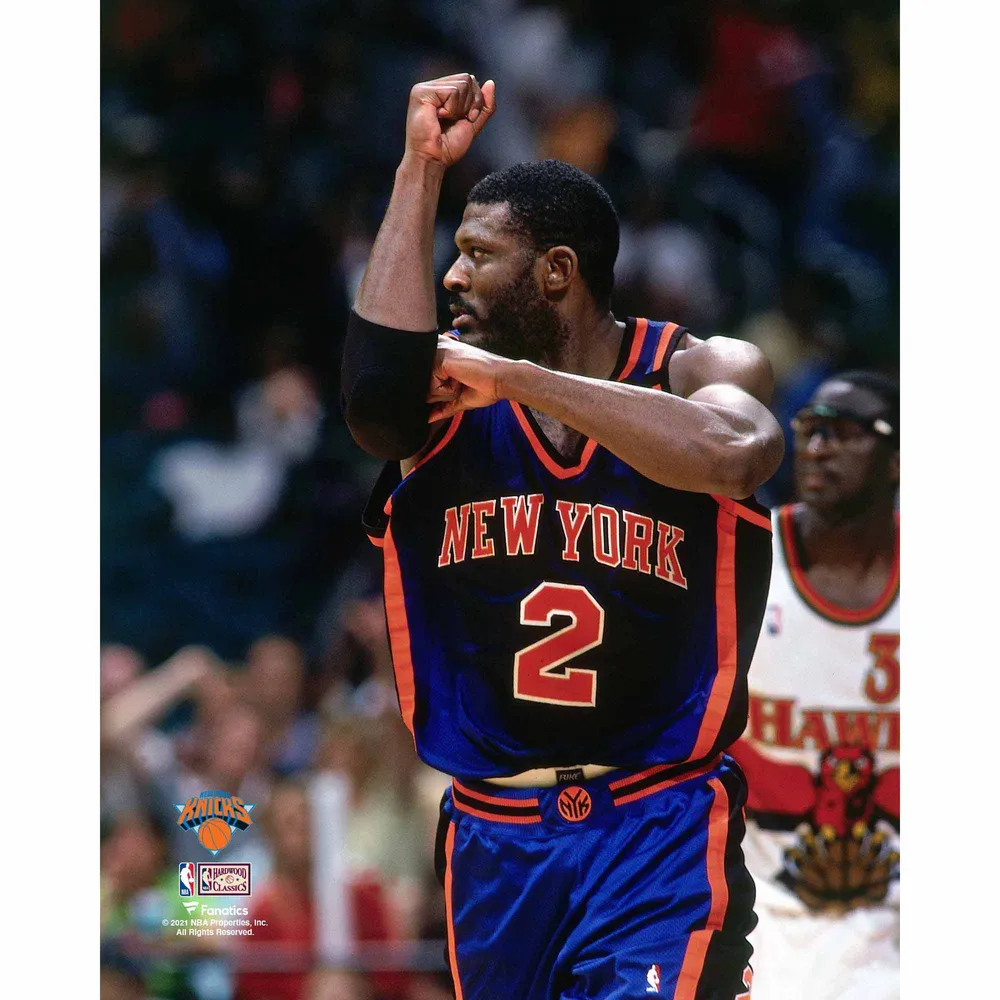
(653, 979)
(574, 804)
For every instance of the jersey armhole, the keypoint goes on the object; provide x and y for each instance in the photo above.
(659, 376)
(375, 519)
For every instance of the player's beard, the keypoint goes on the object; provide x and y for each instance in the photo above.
(521, 324)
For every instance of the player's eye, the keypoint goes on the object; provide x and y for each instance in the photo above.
(476, 252)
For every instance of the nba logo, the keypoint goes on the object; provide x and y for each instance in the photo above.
(653, 979)
(185, 878)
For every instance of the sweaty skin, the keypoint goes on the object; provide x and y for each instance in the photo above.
(713, 434)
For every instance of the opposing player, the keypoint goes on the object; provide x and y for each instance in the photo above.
(575, 576)
(821, 751)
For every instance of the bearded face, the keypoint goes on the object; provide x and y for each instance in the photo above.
(496, 295)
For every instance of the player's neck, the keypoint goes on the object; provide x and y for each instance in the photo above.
(859, 540)
(593, 349)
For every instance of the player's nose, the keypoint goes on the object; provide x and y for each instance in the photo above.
(457, 277)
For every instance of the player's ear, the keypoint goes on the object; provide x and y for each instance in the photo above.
(561, 266)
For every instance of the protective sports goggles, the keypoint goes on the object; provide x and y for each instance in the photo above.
(836, 425)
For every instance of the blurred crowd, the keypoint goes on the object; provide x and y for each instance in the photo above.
(248, 148)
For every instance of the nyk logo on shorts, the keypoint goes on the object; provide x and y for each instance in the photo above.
(213, 817)
(574, 804)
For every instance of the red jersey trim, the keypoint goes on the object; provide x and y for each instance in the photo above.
(822, 605)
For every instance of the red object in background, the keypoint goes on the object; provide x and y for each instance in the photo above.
(138, 24)
(291, 922)
(741, 106)
(285, 95)
(164, 411)
(793, 791)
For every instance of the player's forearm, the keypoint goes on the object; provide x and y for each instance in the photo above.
(397, 289)
(688, 444)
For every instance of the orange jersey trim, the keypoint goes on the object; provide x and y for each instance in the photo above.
(638, 339)
(449, 909)
(815, 600)
(557, 470)
(550, 463)
(740, 510)
(725, 634)
(493, 799)
(660, 785)
(399, 630)
(448, 435)
(496, 817)
(661, 347)
(715, 863)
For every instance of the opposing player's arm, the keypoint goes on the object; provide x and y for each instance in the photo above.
(713, 435)
(391, 336)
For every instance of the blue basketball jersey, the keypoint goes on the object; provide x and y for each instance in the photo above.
(548, 611)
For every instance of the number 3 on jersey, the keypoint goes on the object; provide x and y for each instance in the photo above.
(539, 671)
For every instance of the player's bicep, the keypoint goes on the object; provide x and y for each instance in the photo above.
(723, 361)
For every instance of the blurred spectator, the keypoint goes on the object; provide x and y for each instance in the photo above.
(275, 684)
(287, 904)
(138, 894)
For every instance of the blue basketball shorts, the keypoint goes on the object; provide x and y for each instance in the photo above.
(629, 885)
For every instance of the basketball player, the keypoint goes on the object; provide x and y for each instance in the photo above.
(575, 576)
(821, 751)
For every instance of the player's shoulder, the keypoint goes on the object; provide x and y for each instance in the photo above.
(699, 362)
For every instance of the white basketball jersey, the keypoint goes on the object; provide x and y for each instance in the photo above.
(821, 748)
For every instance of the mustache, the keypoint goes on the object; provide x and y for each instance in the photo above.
(455, 302)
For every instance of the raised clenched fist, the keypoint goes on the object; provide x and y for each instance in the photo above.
(444, 116)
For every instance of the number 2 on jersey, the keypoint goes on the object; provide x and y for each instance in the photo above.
(540, 673)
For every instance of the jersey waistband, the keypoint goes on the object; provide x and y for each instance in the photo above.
(547, 777)
(527, 804)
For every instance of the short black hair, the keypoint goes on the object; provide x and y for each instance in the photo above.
(886, 388)
(555, 204)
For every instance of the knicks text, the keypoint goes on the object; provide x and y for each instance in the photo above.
(509, 527)
(230, 808)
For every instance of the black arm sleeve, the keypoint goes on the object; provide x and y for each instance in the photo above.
(383, 387)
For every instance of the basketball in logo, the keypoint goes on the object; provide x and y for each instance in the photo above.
(574, 804)
(214, 834)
